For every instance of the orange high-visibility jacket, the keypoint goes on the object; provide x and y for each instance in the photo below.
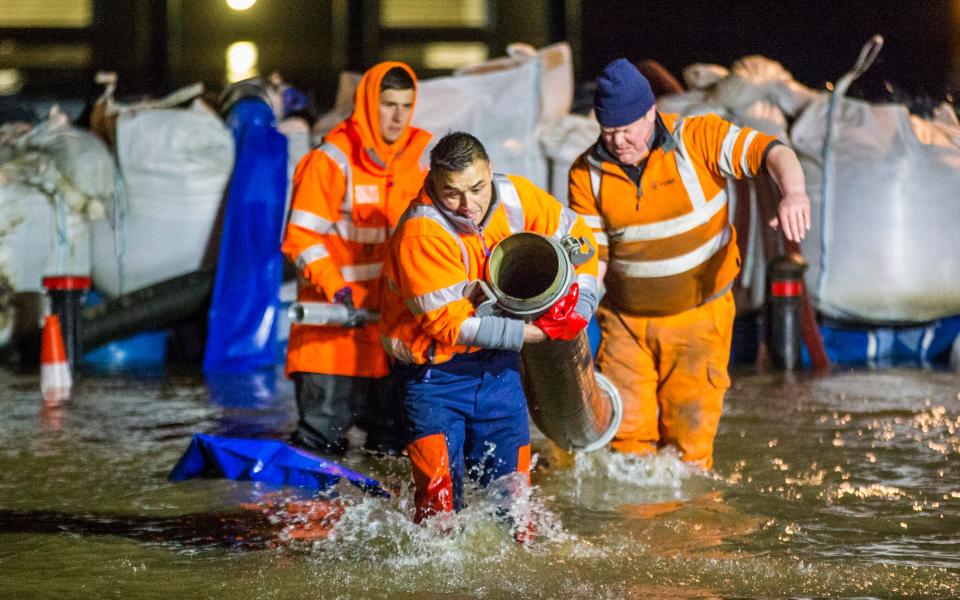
(669, 242)
(425, 316)
(348, 194)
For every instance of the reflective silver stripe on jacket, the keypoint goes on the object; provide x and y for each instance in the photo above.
(595, 175)
(308, 220)
(726, 151)
(397, 349)
(676, 265)
(744, 163)
(438, 299)
(510, 199)
(311, 254)
(568, 219)
(688, 173)
(345, 227)
(728, 160)
(430, 212)
(593, 221)
(346, 205)
(361, 235)
(365, 272)
(671, 227)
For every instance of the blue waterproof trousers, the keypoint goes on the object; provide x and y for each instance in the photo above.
(467, 413)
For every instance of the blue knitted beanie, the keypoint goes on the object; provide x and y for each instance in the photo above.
(623, 94)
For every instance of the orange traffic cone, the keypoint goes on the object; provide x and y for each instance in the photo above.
(55, 379)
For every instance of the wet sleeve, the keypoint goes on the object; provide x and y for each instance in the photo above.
(499, 332)
(432, 281)
(318, 189)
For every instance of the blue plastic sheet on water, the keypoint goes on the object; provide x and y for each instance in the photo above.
(268, 461)
(927, 344)
(242, 323)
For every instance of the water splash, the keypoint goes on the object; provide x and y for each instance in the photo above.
(603, 480)
(493, 519)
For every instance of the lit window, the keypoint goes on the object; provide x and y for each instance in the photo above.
(433, 13)
(453, 55)
(438, 56)
(10, 82)
(30, 14)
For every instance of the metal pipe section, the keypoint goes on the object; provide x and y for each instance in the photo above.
(325, 313)
(527, 273)
(572, 404)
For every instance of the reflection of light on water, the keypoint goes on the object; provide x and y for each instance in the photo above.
(874, 490)
(638, 528)
(242, 58)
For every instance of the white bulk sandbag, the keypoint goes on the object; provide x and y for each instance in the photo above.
(564, 140)
(43, 226)
(175, 164)
(555, 74)
(500, 108)
(81, 158)
(884, 244)
(30, 239)
(501, 102)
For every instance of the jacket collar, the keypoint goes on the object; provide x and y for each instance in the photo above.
(663, 139)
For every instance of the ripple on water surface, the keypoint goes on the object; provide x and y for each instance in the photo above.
(846, 485)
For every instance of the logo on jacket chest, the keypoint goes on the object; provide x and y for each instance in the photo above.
(366, 194)
(656, 185)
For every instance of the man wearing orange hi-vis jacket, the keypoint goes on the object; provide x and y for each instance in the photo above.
(458, 371)
(348, 194)
(653, 190)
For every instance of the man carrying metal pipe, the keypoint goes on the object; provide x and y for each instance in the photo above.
(653, 190)
(458, 371)
(348, 194)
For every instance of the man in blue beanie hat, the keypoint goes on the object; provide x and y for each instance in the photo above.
(653, 188)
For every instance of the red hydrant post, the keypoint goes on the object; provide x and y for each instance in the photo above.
(66, 294)
(785, 290)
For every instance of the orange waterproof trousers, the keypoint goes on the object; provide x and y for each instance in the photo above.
(671, 372)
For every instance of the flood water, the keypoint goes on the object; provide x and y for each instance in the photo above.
(846, 485)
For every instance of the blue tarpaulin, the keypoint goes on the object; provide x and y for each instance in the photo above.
(242, 323)
(923, 345)
(269, 461)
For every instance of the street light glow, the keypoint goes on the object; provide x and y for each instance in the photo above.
(242, 58)
(240, 4)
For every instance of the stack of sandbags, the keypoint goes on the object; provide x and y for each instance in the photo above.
(175, 163)
(883, 185)
(54, 178)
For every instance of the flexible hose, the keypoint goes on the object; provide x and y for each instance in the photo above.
(152, 307)
(577, 408)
